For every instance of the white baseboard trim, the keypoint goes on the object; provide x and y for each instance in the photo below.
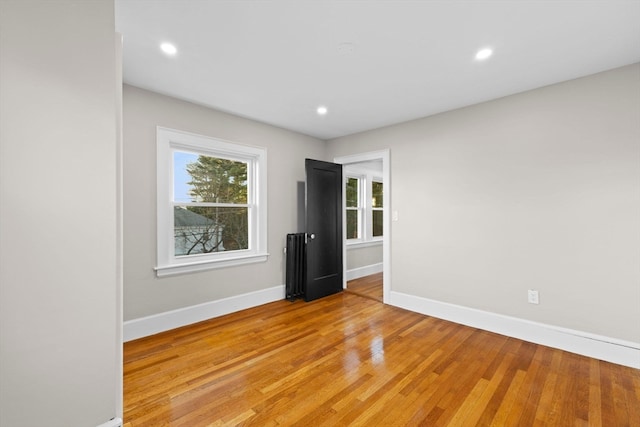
(150, 325)
(613, 350)
(367, 270)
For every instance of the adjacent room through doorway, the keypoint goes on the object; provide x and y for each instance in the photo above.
(366, 223)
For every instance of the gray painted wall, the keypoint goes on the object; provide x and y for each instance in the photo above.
(363, 256)
(59, 333)
(539, 190)
(144, 294)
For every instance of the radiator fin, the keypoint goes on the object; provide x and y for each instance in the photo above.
(296, 261)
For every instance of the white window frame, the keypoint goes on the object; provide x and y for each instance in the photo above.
(359, 208)
(373, 209)
(170, 141)
(365, 207)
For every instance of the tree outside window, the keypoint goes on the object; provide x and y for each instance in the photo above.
(353, 200)
(376, 208)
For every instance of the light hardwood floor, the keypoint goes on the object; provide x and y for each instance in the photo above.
(368, 286)
(348, 360)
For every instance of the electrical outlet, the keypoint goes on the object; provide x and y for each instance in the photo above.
(532, 297)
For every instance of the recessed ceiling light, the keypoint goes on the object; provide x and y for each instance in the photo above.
(169, 49)
(322, 110)
(484, 54)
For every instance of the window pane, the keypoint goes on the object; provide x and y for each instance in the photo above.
(200, 230)
(199, 178)
(377, 223)
(376, 198)
(352, 192)
(352, 224)
(181, 177)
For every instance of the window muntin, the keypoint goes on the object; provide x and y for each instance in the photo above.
(211, 203)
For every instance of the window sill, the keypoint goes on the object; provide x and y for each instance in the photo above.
(193, 267)
(363, 243)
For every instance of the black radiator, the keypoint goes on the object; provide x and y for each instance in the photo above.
(296, 261)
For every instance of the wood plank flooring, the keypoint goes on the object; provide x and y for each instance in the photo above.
(368, 286)
(346, 360)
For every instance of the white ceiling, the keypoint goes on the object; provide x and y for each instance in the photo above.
(276, 61)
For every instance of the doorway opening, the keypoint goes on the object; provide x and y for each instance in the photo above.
(366, 221)
(370, 286)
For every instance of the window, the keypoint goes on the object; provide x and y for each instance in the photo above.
(363, 208)
(376, 208)
(354, 208)
(211, 203)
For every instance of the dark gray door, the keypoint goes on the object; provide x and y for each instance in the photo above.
(324, 229)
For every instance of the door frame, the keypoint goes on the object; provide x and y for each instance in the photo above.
(383, 155)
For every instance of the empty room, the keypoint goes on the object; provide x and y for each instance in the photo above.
(320, 213)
